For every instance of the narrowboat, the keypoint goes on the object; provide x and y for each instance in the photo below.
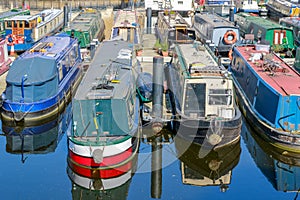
(8, 14)
(36, 139)
(5, 61)
(217, 33)
(213, 168)
(280, 38)
(183, 7)
(247, 6)
(294, 24)
(268, 94)
(86, 27)
(42, 80)
(172, 28)
(282, 8)
(219, 7)
(281, 168)
(202, 98)
(126, 26)
(103, 137)
(22, 32)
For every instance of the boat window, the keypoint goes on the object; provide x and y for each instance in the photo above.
(72, 57)
(195, 99)
(21, 24)
(15, 24)
(219, 96)
(60, 72)
(8, 24)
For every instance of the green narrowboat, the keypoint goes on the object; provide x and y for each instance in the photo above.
(281, 38)
(10, 13)
(88, 25)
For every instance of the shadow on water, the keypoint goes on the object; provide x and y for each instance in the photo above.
(281, 168)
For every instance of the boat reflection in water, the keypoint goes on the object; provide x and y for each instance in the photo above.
(36, 139)
(280, 167)
(212, 169)
(108, 180)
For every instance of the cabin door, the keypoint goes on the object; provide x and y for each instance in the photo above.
(279, 35)
(18, 28)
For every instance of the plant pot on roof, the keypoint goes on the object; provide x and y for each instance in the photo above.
(165, 48)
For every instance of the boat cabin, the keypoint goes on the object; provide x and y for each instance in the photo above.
(173, 28)
(264, 30)
(294, 24)
(203, 88)
(218, 33)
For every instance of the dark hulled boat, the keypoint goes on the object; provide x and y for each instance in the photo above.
(202, 97)
(268, 94)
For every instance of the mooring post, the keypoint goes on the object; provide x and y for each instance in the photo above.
(157, 103)
(149, 21)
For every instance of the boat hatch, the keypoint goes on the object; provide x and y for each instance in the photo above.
(101, 91)
(41, 47)
(197, 69)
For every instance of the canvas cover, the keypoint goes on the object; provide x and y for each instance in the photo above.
(39, 77)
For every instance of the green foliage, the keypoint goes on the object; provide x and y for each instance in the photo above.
(157, 44)
(165, 46)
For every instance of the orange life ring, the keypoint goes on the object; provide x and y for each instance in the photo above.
(230, 54)
(232, 34)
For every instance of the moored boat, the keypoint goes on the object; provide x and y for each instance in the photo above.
(268, 94)
(220, 7)
(126, 26)
(282, 8)
(42, 80)
(8, 14)
(202, 97)
(22, 32)
(217, 33)
(280, 38)
(173, 28)
(103, 137)
(86, 27)
(5, 61)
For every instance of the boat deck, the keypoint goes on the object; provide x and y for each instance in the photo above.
(272, 69)
(97, 75)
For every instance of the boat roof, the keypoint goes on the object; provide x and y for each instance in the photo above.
(50, 47)
(267, 24)
(214, 20)
(112, 61)
(272, 69)
(294, 21)
(126, 18)
(198, 60)
(172, 22)
(83, 21)
(50, 13)
(12, 13)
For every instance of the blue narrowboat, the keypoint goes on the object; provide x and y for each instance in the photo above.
(268, 94)
(42, 80)
(23, 31)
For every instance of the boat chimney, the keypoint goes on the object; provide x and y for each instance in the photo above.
(157, 103)
(65, 15)
(231, 14)
(149, 20)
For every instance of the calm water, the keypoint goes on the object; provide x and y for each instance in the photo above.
(252, 172)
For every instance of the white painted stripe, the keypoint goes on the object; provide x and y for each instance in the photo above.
(107, 183)
(108, 150)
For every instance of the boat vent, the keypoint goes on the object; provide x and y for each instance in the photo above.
(197, 68)
(41, 47)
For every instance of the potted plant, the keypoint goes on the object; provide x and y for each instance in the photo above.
(139, 50)
(165, 48)
(157, 45)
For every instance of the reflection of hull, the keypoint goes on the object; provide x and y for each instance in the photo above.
(283, 168)
(210, 168)
(199, 131)
(38, 139)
